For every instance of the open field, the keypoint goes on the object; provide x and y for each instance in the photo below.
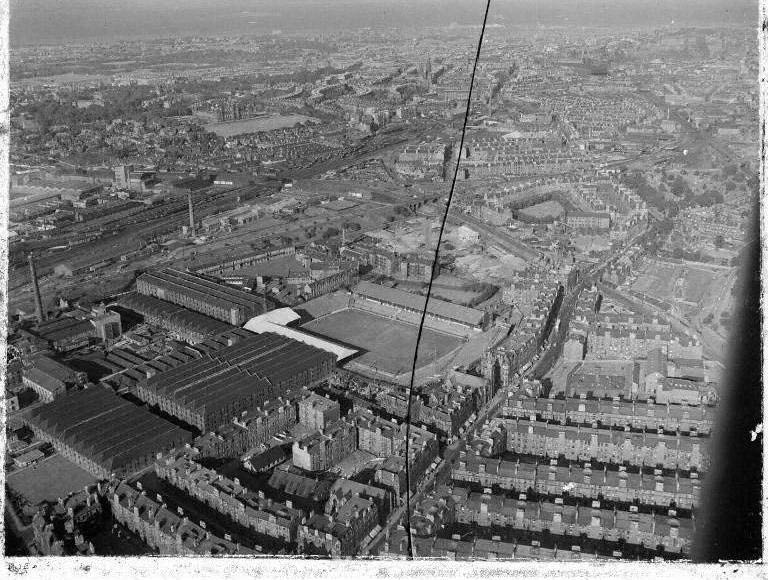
(266, 123)
(698, 282)
(455, 295)
(543, 210)
(50, 479)
(484, 268)
(659, 280)
(388, 344)
(592, 243)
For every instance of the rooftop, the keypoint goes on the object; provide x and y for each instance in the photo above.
(436, 307)
(256, 363)
(106, 428)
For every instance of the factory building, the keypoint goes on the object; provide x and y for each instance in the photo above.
(64, 334)
(181, 322)
(202, 295)
(208, 392)
(48, 378)
(103, 433)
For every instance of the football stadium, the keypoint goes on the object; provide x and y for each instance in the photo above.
(383, 324)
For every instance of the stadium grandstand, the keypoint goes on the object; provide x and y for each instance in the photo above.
(209, 391)
(103, 433)
(408, 307)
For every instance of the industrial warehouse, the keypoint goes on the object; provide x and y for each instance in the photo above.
(202, 295)
(184, 323)
(103, 433)
(208, 392)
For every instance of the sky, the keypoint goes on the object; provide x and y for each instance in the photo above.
(62, 21)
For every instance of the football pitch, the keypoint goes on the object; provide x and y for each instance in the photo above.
(388, 344)
(659, 280)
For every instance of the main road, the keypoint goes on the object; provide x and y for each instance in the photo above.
(439, 475)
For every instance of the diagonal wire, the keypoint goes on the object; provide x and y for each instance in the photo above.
(429, 292)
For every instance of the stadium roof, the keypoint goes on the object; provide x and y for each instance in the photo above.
(282, 316)
(260, 324)
(106, 428)
(436, 307)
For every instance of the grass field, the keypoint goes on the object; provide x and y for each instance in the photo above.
(546, 209)
(265, 123)
(698, 283)
(388, 344)
(659, 281)
(52, 478)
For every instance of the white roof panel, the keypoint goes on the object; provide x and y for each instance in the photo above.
(258, 325)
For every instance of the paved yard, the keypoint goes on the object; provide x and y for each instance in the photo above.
(50, 479)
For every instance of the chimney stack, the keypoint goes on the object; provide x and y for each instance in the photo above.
(36, 290)
(191, 215)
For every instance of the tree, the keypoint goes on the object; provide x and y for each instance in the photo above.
(719, 241)
(679, 187)
(330, 233)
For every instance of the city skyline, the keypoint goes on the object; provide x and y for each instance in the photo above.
(87, 20)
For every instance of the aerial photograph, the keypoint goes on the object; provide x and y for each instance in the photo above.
(377, 279)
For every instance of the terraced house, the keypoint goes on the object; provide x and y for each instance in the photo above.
(574, 521)
(617, 484)
(228, 497)
(165, 531)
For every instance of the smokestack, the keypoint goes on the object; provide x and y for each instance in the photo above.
(36, 289)
(191, 215)
(264, 299)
